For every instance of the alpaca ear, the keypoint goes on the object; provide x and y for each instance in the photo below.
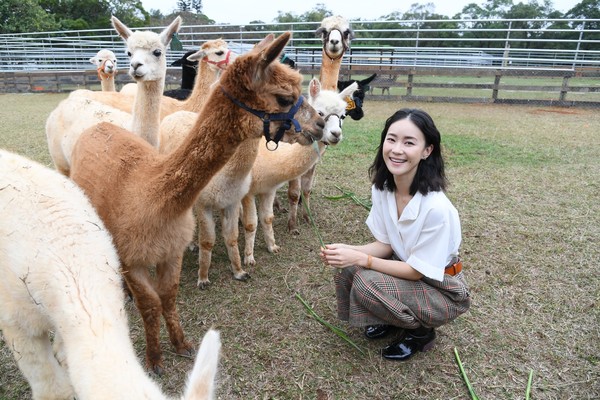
(349, 91)
(314, 88)
(266, 41)
(94, 60)
(167, 34)
(197, 56)
(320, 32)
(368, 80)
(121, 28)
(274, 49)
(201, 381)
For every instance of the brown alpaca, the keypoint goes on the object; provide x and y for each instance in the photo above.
(145, 199)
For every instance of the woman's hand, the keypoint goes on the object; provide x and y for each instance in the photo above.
(339, 255)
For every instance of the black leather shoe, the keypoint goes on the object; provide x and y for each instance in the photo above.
(404, 349)
(378, 331)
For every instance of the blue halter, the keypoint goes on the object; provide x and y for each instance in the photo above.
(267, 118)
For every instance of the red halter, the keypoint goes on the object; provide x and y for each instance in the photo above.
(101, 74)
(221, 64)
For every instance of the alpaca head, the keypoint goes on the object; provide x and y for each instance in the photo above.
(147, 50)
(332, 107)
(259, 83)
(336, 33)
(215, 53)
(184, 63)
(106, 63)
(354, 109)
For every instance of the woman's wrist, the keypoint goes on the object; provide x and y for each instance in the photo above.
(369, 264)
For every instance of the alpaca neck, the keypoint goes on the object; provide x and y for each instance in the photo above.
(204, 80)
(146, 111)
(108, 84)
(307, 155)
(209, 145)
(330, 72)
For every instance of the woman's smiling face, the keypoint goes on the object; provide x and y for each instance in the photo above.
(403, 148)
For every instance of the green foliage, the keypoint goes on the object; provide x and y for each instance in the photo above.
(18, 16)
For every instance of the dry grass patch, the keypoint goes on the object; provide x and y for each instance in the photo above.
(526, 183)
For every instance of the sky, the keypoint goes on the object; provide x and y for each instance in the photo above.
(238, 12)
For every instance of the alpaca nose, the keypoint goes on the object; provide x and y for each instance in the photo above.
(334, 42)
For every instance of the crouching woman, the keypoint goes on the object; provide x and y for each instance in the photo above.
(409, 280)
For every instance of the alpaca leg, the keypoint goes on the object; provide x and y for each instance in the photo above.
(35, 358)
(266, 217)
(206, 242)
(250, 222)
(149, 305)
(167, 285)
(229, 228)
(307, 181)
(293, 200)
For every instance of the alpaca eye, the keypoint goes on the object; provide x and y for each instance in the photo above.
(220, 53)
(321, 113)
(284, 102)
(157, 53)
(128, 54)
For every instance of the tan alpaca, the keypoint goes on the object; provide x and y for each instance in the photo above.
(273, 168)
(76, 113)
(106, 65)
(145, 199)
(224, 192)
(214, 56)
(336, 35)
(61, 276)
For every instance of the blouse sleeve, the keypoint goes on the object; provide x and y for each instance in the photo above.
(430, 253)
(376, 219)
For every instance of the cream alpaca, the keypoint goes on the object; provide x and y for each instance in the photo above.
(106, 64)
(145, 199)
(60, 273)
(76, 113)
(224, 192)
(273, 168)
(213, 56)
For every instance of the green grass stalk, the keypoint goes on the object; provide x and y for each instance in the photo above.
(312, 221)
(464, 376)
(338, 331)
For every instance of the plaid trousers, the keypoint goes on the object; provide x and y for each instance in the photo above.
(367, 297)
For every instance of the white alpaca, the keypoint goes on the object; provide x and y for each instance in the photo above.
(61, 276)
(106, 65)
(214, 56)
(288, 163)
(225, 190)
(77, 112)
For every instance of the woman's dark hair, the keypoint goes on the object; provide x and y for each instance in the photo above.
(430, 174)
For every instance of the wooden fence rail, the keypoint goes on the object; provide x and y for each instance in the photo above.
(578, 88)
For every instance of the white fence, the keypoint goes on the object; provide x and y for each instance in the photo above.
(565, 44)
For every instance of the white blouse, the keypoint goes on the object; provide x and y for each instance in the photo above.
(426, 236)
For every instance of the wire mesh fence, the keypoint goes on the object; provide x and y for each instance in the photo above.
(556, 61)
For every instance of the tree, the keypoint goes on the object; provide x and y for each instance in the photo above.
(18, 16)
(587, 9)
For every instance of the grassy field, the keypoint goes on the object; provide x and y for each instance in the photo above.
(526, 182)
